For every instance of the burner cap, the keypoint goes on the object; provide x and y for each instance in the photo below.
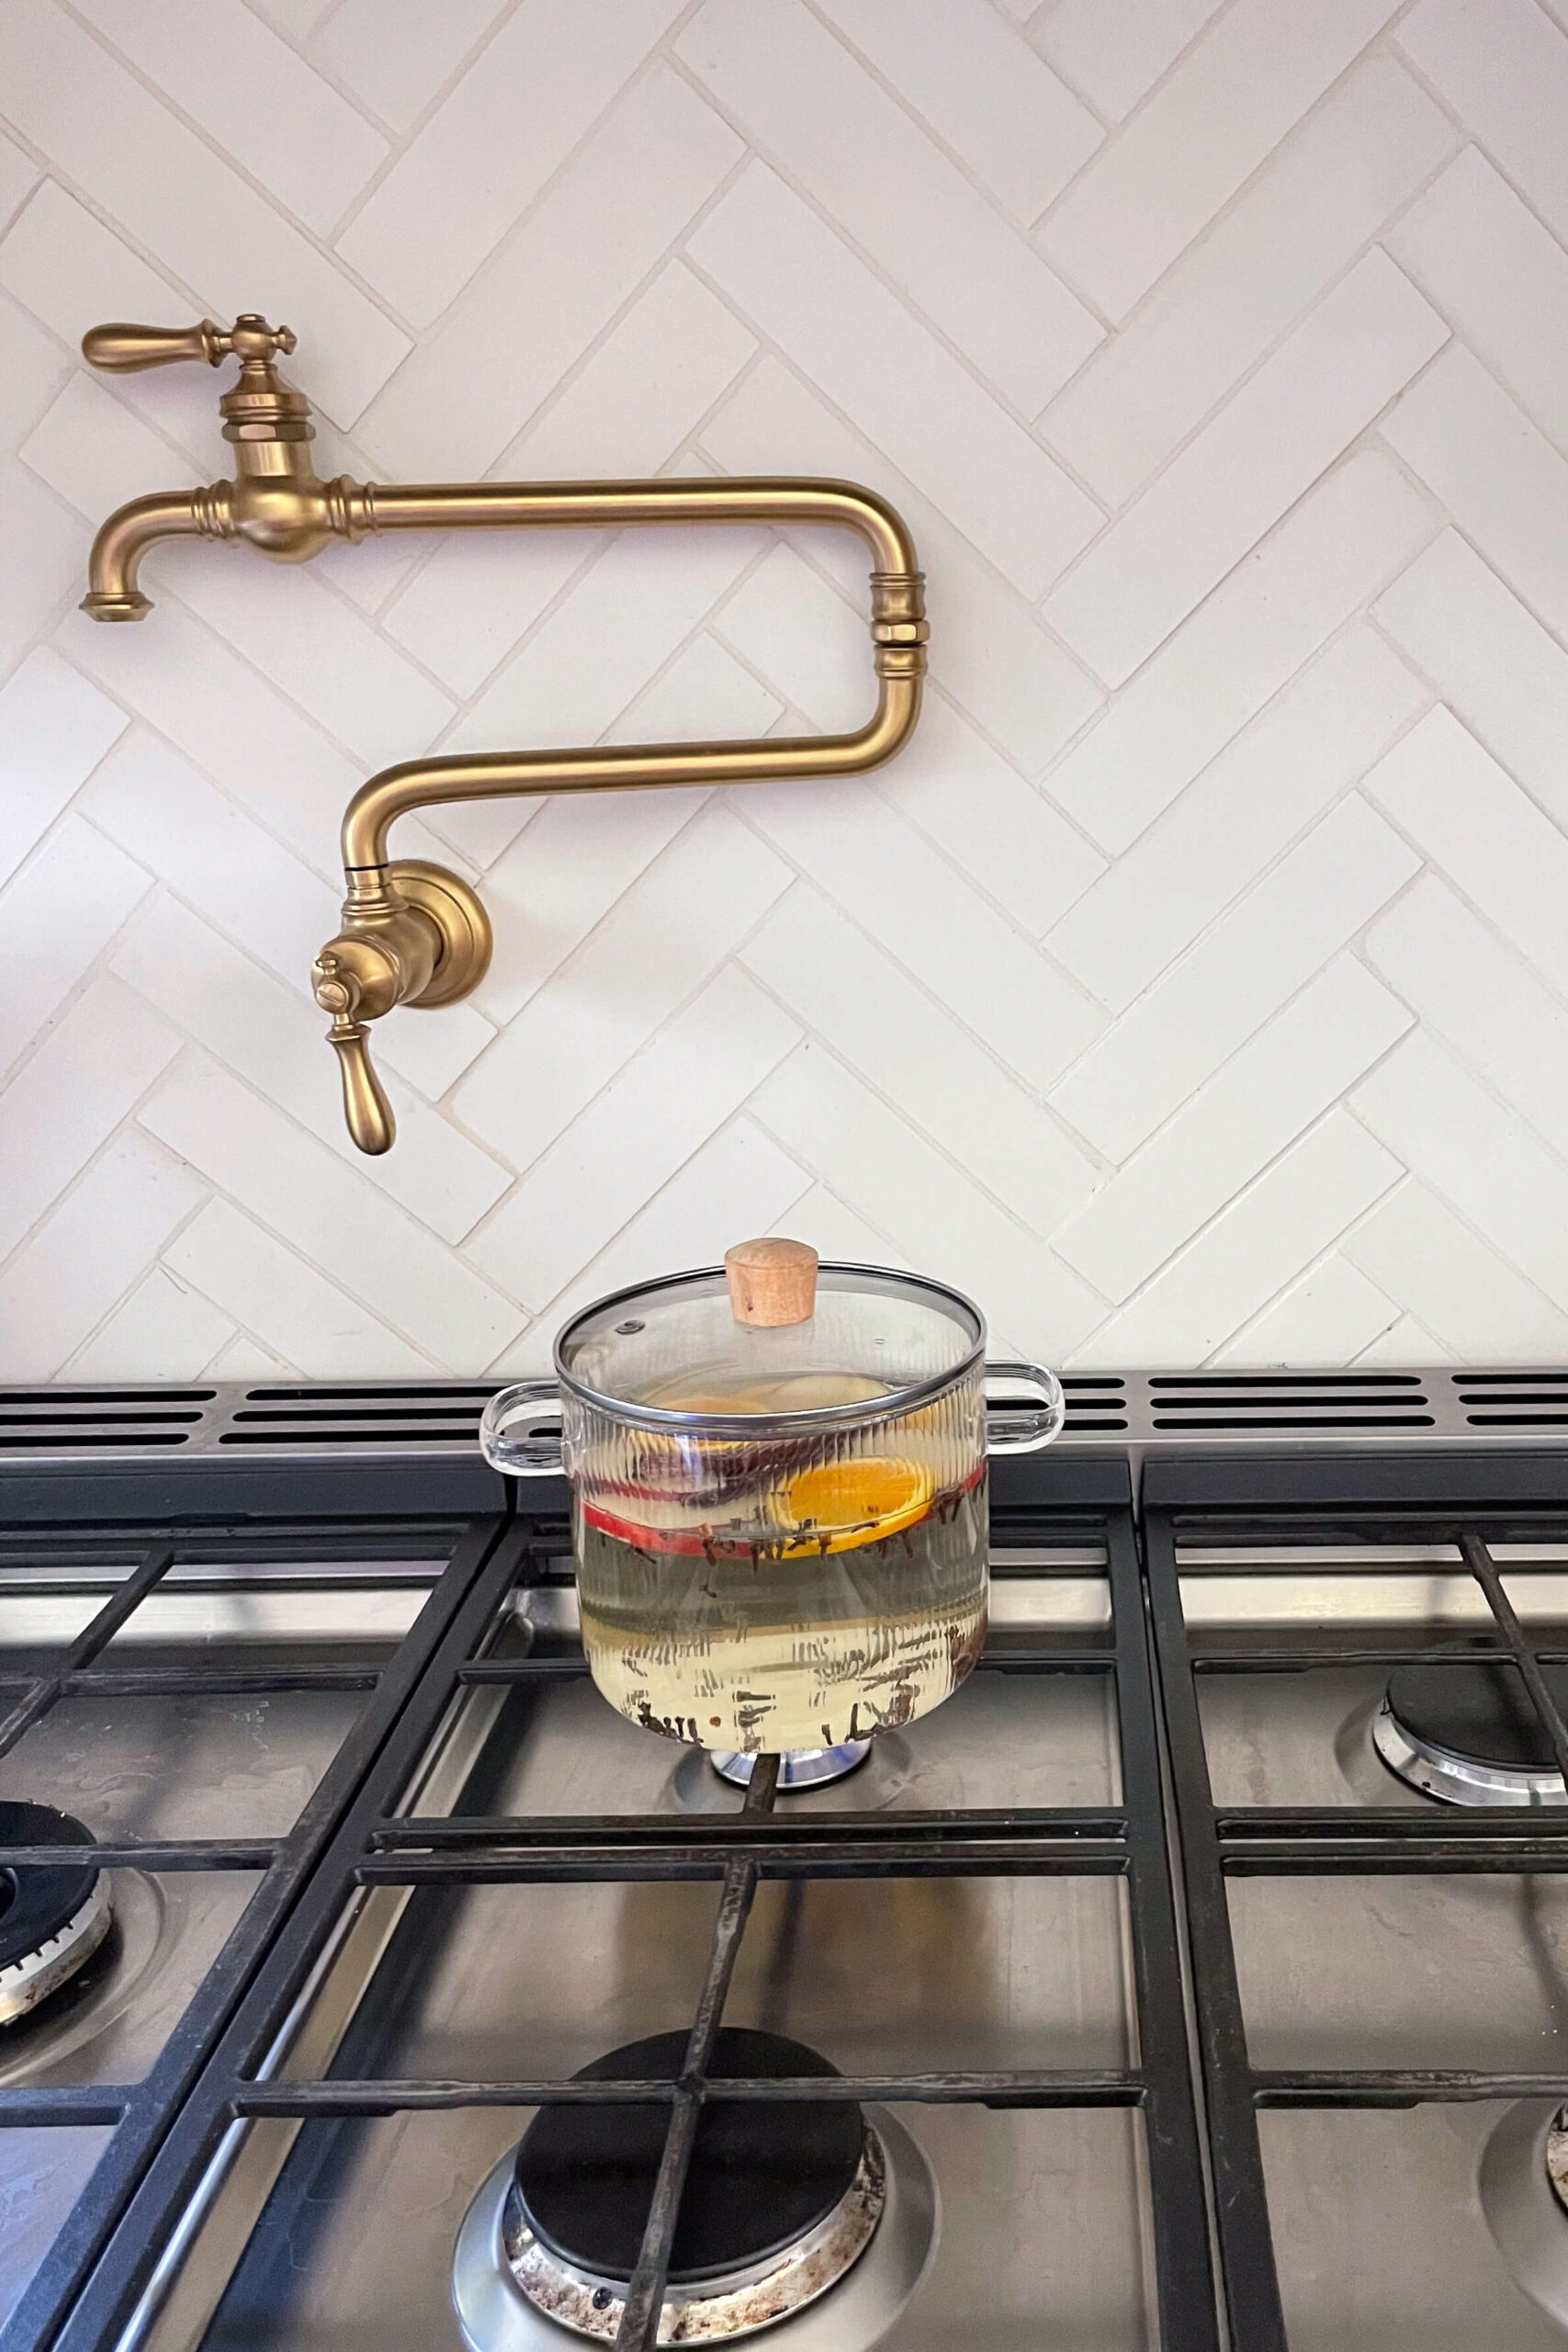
(35, 1904)
(762, 2173)
(1481, 1712)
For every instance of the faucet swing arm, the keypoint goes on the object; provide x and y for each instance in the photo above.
(416, 933)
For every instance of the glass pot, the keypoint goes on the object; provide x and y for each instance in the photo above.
(778, 1481)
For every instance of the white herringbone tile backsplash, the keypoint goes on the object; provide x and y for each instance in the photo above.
(1194, 989)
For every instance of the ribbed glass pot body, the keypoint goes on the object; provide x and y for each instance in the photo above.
(781, 1590)
(780, 1532)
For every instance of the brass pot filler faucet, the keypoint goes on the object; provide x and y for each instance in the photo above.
(414, 934)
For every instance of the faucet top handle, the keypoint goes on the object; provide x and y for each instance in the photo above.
(122, 348)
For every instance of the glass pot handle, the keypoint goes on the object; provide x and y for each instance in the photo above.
(509, 1437)
(1024, 1429)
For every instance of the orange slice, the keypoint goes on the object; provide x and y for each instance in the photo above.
(841, 1504)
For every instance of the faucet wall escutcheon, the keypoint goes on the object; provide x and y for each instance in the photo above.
(413, 933)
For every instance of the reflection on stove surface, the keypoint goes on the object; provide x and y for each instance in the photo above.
(1385, 2230)
(1043, 2211)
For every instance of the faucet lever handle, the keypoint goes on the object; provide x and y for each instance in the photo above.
(365, 1103)
(122, 348)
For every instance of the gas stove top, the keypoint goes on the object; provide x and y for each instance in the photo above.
(1200, 1966)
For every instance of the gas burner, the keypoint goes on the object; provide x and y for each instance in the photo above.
(51, 1921)
(799, 1768)
(1469, 1734)
(785, 2202)
(1524, 2189)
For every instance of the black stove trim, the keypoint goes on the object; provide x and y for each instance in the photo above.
(95, 2273)
(1473, 1503)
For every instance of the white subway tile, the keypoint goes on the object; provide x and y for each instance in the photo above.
(54, 729)
(56, 917)
(1488, 658)
(989, 648)
(18, 176)
(660, 942)
(805, 101)
(1116, 55)
(1331, 1316)
(46, 556)
(1320, 735)
(880, 1168)
(89, 1251)
(96, 452)
(679, 346)
(161, 1330)
(1318, 567)
(666, 1102)
(1464, 983)
(1472, 819)
(479, 591)
(705, 691)
(242, 1359)
(804, 638)
(254, 97)
(796, 281)
(1501, 480)
(253, 1277)
(189, 685)
(1282, 1079)
(69, 1097)
(1142, 199)
(982, 90)
(650, 589)
(396, 55)
(146, 797)
(737, 1182)
(563, 875)
(260, 1160)
(33, 368)
(168, 189)
(905, 1043)
(1314, 204)
(1284, 931)
(66, 266)
(511, 122)
(605, 222)
(1477, 1304)
(1269, 444)
(975, 808)
(272, 1037)
(1407, 1345)
(1498, 277)
(893, 883)
(1476, 1155)
(1503, 67)
(295, 19)
(1293, 1214)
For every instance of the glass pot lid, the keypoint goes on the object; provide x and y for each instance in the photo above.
(771, 1337)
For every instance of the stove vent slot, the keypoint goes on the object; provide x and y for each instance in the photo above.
(71, 1421)
(287, 1419)
(1513, 1400)
(1095, 1401)
(1289, 1401)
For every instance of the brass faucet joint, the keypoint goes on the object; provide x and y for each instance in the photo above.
(413, 933)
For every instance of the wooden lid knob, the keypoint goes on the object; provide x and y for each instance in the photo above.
(772, 1282)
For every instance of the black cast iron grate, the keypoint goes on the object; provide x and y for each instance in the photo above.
(86, 2302)
(1296, 1501)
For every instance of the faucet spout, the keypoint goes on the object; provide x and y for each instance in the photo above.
(112, 568)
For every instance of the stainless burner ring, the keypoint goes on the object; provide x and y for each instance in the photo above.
(1459, 1780)
(496, 2313)
(26, 1982)
(799, 1768)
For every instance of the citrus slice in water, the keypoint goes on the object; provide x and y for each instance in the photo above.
(841, 1504)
